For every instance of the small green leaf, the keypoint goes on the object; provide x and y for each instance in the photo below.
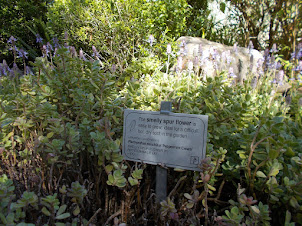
(273, 153)
(132, 181)
(190, 205)
(64, 216)
(274, 171)
(46, 211)
(109, 168)
(260, 174)
(294, 203)
(255, 209)
(76, 211)
(60, 224)
(61, 210)
(188, 196)
(211, 187)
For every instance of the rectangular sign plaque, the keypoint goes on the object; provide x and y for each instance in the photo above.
(175, 140)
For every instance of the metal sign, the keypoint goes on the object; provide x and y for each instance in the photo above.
(175, 140)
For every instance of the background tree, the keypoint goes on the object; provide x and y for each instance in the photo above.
(267, 23)
(18, 18)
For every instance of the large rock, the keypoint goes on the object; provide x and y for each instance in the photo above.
(213, 57)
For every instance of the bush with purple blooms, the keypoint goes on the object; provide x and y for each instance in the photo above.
(61, 140)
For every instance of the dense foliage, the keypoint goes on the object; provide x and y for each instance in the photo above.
(20, 18)
(268, 23)
(61, 125)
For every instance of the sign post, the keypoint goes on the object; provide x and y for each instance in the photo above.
(164, 138)
(161, 173)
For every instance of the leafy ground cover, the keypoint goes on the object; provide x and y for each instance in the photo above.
(61, 137)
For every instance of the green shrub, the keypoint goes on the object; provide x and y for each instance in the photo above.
(61, 139)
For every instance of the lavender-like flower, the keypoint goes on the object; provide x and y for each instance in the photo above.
(95, 52)
(278, 65)
(22, 54)
(45, 51)
(183, 43)
(231, 73)
(169, 48)
(226, 57)
(66, 35)
(55, 42)
(274, 48)
(49, 46)
(260, 62)
(73, 51)
(14, 48)
(254, 82)
(299, 66)
(113, 68)
(55, 52)
(12, 40)
(29, 71)
(196, 61)
(151, 40)
(200, 52)
(251, 46)
(190, 65)
(214, 53)
(39, 39)
(235, 49)
(179, 64)
(81, 55)
(14, 71)
(2, 70)
(293, 55)
(182, 51)
(280, 77)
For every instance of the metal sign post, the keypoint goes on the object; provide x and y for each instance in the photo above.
(161, 173)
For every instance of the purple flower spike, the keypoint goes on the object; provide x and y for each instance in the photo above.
(235, 48)
(196, 60)
(29, 71)
(113, 68)
(299, 54)
(2, 70)
(299, 67)
(179, 63)
(66, 35)
(251, 46)
(151, 40)
(280, 77)
(22, 54)
(39, 39)
(45, 51)
(95, 52)
(11, 40)
(190, 65)
(254, 82)
(183, 43)
(231, 73)
(49, 46)
(81, 55)
(73, 51)
(169, 48)
(274, 48)
(55, 42)
(200, 52)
